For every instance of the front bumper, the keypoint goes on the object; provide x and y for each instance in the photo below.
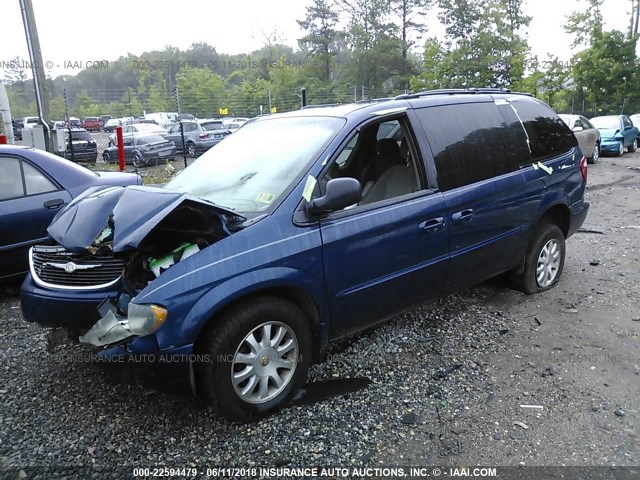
(62, 308)
(610, 146)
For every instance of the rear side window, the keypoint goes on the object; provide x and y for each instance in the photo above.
(547, 134)
(469, 142)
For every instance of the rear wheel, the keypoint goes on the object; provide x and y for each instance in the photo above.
(544, 261)
(255, 358)
(191, 150)
(634, 146)
(106, 156)
(596, 154)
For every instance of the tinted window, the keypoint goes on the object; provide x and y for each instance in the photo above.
(10, 179)
(35, 181)
(189, 127)
(548, 135)
(86, 136)
(626, 122)
(469, 142)
(213, 126)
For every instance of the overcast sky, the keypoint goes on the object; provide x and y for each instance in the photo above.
(81, 31)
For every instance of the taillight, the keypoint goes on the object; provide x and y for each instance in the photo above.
(583, 168)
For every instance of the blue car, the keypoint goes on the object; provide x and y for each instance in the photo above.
(617, 132)
(304, 227)
(34, 187)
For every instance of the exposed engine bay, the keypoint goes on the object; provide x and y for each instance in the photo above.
(146, 229)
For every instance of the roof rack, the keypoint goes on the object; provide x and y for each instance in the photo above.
(321, 105)
(452, 91)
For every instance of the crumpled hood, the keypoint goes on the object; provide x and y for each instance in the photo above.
(126, 213)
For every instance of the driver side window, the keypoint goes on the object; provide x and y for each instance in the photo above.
(381, 156)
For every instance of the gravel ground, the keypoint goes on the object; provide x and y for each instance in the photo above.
(442, 385)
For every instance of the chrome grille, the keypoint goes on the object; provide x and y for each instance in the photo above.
(55, 266)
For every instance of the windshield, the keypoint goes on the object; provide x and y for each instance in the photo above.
(612, 123)
(253, 168)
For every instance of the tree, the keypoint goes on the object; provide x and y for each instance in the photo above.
(372, 39)
(322, 36)
(411, 15)
(483, 46)
(585, 25)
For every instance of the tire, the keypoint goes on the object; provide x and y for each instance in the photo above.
(595, 156)
(226, 348)
(138, 160)
(191, 150)
(620, 151)
(546, 252)
(634, 146)
(106, 156)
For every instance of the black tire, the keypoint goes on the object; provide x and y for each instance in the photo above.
(634, 146)
(620, 150)
(191, 150)
(106, 156)
(138, 160)
(221, 342)
(527, 280)
(595, 156)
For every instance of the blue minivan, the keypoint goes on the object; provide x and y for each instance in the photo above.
(307, 226)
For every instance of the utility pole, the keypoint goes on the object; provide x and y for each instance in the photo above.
(37, 68)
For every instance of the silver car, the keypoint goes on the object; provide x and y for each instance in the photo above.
(198, 137)
(587, 135)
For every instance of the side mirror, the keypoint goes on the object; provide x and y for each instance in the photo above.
(340, 193)
(578, 129)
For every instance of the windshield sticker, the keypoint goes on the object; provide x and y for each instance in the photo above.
(265, 197)
(309, 187)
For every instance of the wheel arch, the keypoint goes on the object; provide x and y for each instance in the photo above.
(292, 293)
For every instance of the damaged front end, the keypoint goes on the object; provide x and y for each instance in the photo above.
(126, 237)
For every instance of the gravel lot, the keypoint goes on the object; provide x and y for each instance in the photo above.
(441, 385)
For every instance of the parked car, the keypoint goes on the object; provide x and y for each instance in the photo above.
(111, 125)
(29, 122)
(16, 123)
(635, 119)
(58, 125)
(74, 123)
(91, 124)
(232, 124)
(616, 133)
(81, 146)
(142, 149)
(274, 243)
(34, 187)
(197, 137)
(137, 128)
(587, 135)
(160, 118)
(104, 119)
(185, 116)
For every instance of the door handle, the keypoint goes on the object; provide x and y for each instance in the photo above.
(432, 225)
(53, 204)
(462, 216)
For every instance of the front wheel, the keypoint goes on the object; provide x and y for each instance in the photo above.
(620, 151)
(634, 146)
(106, 156)
(595, 156)
(255, 359)
(138, 161)
(544, 260)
